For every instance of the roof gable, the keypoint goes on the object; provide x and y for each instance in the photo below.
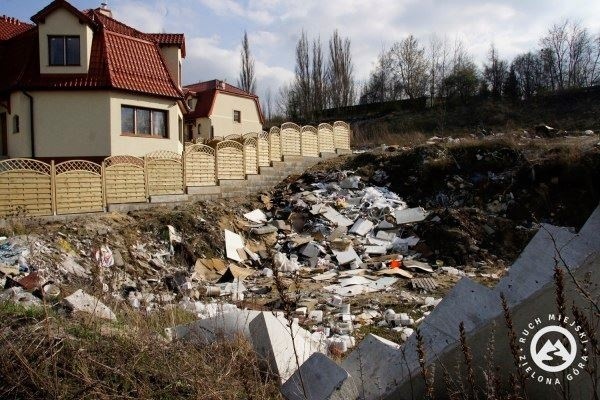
(206, 93)
(121, 58)
(40, 17)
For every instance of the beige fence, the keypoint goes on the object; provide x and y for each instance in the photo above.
(251, 153)
(26, 187)
(341, 135)
(31, 187)
(290, 139)
(263, 149)
(230, 160)
(78, 187)
(310, 141)
(200, 165)
(124, 180)
(164, 173)
(326, 143)
(275, 144)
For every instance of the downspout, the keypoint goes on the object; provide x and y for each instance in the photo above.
(32, 124)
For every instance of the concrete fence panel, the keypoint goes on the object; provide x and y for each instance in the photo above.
(78, 187)
(200, 166)
(310, 141)
(275, 144)
(290, 139)
(251, 153)
(326, 143)
(164, 173)
(25, 187)
(263, 150)
(230, 160)
(124, 180)
(341, 135)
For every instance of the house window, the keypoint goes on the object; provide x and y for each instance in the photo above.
(199, 130)
(64, 50)
(143, 122)
(16, 127)
(237, 116)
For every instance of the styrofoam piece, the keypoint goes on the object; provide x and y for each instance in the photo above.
(257, 216)
(224, 324)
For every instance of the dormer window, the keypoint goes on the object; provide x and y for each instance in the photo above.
(64, 51)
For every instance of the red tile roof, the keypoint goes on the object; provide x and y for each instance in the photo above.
(11, 27)
(206, 93)
(170, 39)
(121, 58)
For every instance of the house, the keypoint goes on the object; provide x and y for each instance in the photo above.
(218, 109)
(80, 84)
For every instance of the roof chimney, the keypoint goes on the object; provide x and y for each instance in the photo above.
(104, 10)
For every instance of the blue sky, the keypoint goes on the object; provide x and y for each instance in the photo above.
(214, 28)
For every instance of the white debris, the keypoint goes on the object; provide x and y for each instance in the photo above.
(410, 215)
(233, 243)
(257, 216)
(83, 302)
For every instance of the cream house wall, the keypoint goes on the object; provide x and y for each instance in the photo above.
(222, 115)
(204, 124)
(172, 57)
(62, 22)
(19, 144)
(72, 124)
(139, 146)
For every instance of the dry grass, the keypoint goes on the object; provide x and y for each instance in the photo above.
(44, 355)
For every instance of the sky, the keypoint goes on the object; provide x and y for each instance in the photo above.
(214, 28)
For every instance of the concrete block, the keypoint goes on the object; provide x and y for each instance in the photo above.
(535, 266)
(232, 182)
(323, 380)
(272, 340)
(287, 159)
(193, 190)
(169, 198)
(375, 366)
(223, 325)
(80, 301)
(343, 151)
(126, 207)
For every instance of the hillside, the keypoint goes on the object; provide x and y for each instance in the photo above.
(572, 111)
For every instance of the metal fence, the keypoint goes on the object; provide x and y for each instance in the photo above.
(33, 187)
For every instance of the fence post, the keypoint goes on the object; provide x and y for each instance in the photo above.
(53, 186)
(183, 169)
(146, 186)
(103, 187)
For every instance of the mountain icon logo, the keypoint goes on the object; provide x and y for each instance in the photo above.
(553, 356)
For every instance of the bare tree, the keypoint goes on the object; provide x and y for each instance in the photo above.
(410, 66)
(556, 53)
(268, 104)
(529, 74)
(302, 83)
(495, 72)
(340, 71)
(318, 78)
(438, 54)
(247, 80)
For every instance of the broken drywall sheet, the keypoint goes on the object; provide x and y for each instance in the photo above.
(234, 243)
